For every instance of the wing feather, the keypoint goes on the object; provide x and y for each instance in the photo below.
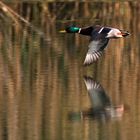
(95, 50)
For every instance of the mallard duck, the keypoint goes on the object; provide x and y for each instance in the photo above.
(99, 38)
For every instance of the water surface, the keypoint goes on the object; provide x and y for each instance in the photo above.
(43, 94)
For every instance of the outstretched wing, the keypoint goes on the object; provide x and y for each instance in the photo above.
(97, 44)
(95, 50)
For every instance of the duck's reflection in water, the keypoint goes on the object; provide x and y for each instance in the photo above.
(102, 108)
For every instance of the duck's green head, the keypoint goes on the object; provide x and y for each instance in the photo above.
(71, 29)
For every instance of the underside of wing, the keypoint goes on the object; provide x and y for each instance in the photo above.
(95, 50)
(92, 57)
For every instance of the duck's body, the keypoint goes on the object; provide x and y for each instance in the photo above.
(99, 37)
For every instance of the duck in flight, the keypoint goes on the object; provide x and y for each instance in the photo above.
(99, 38)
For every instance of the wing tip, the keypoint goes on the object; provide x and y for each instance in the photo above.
(90, 58)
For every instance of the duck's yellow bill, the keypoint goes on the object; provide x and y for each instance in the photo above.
(62, 31)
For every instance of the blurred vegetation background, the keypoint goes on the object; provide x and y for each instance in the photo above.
(41, 72)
